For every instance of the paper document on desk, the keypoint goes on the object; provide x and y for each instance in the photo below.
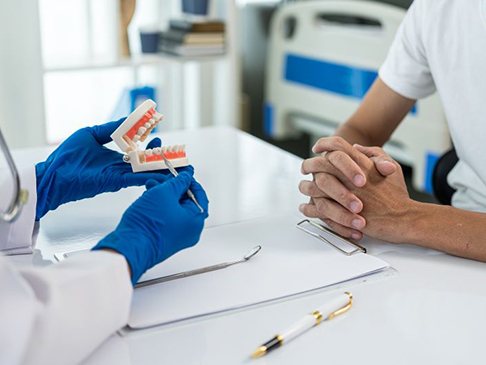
(290, 262)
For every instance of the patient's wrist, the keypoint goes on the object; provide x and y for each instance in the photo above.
(413, 226)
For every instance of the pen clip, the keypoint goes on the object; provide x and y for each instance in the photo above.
(343, 309)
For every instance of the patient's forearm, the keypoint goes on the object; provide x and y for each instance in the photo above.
(354, 135)
(377, 117)
(455, 231)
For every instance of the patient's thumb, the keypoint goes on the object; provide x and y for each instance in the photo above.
(384, 166)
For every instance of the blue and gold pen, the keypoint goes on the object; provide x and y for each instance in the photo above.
(343, 303)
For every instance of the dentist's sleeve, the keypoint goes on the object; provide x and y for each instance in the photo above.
(60, 314)
(18, 235)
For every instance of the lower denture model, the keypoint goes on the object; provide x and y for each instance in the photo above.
(136, 128)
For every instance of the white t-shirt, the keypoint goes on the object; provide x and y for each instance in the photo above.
(441, 45)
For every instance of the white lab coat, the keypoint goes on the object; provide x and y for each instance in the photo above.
(58, 314)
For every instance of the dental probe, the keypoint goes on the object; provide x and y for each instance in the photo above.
(175, 173)
(201, 270)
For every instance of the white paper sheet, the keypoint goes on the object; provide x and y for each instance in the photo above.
(290, 262)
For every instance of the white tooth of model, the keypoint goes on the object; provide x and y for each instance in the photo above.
(137, 157)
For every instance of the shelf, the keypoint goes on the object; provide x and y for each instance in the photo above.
(134, 61)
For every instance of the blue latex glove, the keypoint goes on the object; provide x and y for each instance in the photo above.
(81, 167)
(160, 223)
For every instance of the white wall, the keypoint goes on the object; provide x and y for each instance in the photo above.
(21, 85)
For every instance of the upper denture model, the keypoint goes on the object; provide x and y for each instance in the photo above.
(135, 129)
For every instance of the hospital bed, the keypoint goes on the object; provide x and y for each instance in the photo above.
(323, 57)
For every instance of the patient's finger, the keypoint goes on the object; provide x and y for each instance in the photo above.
(320, 164)
(329, 144)
(309, 188)
(316, 164)
(343, 231)
(384, 166)
(370, 151)
(344, 157)
(383, 162)
(335, 189)
(347, 166)
(333, 143)
(336, 143)
(330, 209)
(310, 211)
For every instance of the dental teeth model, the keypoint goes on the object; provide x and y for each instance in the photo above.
(135, 129)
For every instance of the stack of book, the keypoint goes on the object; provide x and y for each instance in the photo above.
(192, 38)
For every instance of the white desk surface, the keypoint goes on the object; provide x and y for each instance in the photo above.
(431, 311)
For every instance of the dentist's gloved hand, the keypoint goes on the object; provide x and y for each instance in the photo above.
(160, 223)
(81, 167)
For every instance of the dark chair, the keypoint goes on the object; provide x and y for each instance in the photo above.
(442, 191)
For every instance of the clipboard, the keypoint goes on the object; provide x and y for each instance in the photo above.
(292, 263)
(326, 235)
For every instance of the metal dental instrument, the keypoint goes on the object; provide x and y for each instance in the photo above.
(175, 173)
(201, 270)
